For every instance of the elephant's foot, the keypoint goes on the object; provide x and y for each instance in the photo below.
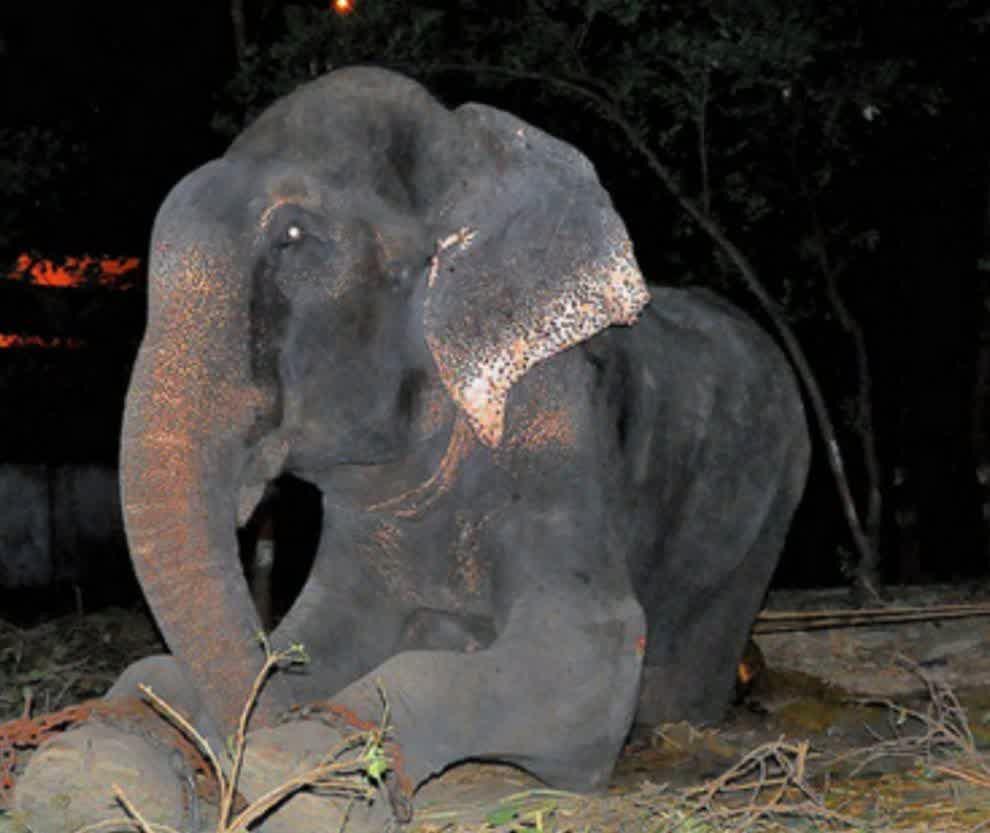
(69, 782)
(276, 756)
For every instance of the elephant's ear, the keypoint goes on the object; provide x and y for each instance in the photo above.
(531, 259)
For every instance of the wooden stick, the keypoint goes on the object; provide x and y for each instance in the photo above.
(780, 621)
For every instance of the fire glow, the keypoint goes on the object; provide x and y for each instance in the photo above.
(343, 7)
(101, 273)
(117, 273)
(10, 341)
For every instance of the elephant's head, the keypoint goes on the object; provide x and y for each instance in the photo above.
(357, 236)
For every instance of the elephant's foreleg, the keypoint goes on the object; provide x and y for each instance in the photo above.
(555, 694)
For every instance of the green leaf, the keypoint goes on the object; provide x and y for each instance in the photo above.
(502, 815)
(375, 763)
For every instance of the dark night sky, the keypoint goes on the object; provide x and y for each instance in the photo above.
(133, 85)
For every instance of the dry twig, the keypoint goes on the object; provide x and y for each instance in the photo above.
(941, 729)
(774, 776)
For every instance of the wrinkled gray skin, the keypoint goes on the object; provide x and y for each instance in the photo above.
(643, 485)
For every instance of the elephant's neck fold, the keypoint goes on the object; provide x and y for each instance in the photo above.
(408, 486)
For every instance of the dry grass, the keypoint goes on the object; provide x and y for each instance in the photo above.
(69, 659)
(942, 730)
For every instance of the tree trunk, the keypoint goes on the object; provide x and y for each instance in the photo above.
(980, 413)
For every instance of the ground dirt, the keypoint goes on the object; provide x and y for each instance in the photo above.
(876, 727)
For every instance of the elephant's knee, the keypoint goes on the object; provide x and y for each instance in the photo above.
(166, 678)
(162, 674)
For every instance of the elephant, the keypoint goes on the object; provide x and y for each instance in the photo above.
(553, 498)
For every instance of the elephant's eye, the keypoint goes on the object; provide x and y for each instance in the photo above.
(290, 235)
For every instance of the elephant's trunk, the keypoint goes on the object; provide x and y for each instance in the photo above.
(189, 407)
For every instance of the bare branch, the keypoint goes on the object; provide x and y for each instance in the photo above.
(239, 23)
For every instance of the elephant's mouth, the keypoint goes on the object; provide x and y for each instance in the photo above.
(281, 537)
(278, 545)
(361, 446)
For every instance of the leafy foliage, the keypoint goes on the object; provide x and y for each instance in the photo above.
(314, 41)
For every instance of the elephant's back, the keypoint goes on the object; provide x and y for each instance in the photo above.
(680, 321)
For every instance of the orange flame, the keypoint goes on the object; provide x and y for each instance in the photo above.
(745, 673)
(15, 340)
(106, 272)
(343, 7)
